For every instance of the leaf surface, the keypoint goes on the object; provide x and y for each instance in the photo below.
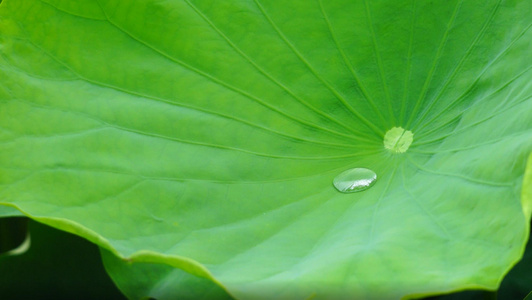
(7, 211)
(159, 281)
(529, 296)
(205, 135)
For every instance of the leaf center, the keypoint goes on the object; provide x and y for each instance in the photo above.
(398, 140)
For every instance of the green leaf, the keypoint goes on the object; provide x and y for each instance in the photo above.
(205, 135)
(528, 297)
(56, 266)
(13, 234)
(159, 281)
(518, 282)
(7, 211)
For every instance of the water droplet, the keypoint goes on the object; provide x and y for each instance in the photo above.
(398, 140)
(354, 180)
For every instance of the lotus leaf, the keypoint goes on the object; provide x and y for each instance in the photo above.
(205, 136)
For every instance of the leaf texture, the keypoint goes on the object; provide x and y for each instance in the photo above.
(205, 135)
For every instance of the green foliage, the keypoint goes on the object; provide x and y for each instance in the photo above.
(516, 284)
(58, 266)
(204, 136)
(7, 211)
(159, 281)
(13, 232)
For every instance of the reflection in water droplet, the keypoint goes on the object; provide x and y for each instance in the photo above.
(355, 180)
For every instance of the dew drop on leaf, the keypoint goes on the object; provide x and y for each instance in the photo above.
(354, 180)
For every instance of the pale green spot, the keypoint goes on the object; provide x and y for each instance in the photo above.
(398, 140)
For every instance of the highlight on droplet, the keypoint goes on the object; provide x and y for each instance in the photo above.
(354, 180)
